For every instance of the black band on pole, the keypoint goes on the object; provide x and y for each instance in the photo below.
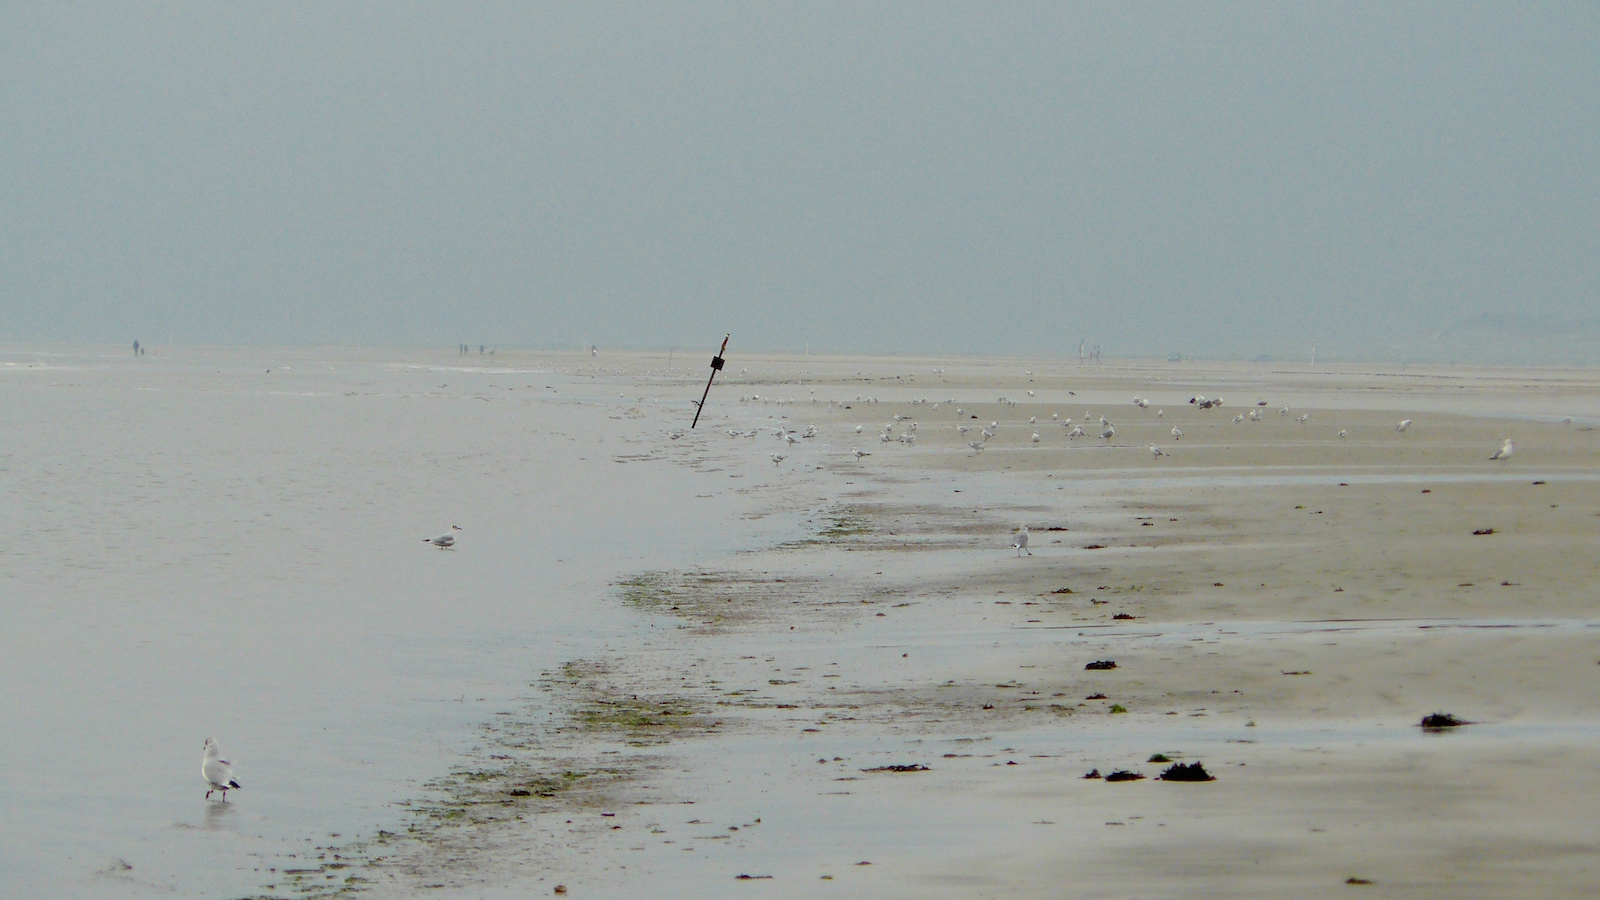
(716, 366)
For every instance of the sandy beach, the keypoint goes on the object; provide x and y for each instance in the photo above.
(896, 704)
(858, 688)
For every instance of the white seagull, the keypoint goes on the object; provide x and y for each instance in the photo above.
(1019, 542)
(976, 445)
(776, 458)
(859, 453)
(1343, 433)
(1239, 418)
(444, 541)
(217, 771)
(1176, 434)
(1505, 451)
(1403, 425)
(1156, 451)
(1036, 437)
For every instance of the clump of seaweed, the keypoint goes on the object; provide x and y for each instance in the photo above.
(1101, 664)
(1187, 772)
(911, 767)
(1124, 775)
(1159, 757)
(1093, 773)
(1117, 709)
(1439, 721)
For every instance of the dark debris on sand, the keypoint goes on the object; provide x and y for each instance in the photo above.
(913, 767)
(1124, 775)
(1102, 664)
(1438, 720)
(1187, 772)
(1093, 773)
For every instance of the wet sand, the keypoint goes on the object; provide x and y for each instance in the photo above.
(894, 704)
(659, 662)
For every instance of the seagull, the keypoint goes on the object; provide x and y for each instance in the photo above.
(1505, 451)
(1156, 451)
(858, 429)
(1176, 434)
(963, 429)
(217, 771)
(1033, 420)
(1019, 542)
(988, 433)
(1076, 432)
(1343, 433)
(859, 453)
(976, 445)
(1255, 415)
(1403, 425)
(444, 541)
(1036, 437)
(1303, 418)
(1109, 433)
(1161, 414)
(1284, 411)
(776, 458)
(1239, 418)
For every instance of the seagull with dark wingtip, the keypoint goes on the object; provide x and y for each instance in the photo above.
(217, 771)
(444, 541)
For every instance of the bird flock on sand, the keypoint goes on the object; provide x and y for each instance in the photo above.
(901, 429)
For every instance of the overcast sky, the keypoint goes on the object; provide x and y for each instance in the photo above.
(906, 178)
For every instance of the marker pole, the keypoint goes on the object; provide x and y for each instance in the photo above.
(716, 366)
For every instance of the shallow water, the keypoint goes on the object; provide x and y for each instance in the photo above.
(203, 547)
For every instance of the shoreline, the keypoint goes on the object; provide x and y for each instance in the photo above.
(903, 631)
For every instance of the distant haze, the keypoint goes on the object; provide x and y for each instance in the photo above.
(1380, 181)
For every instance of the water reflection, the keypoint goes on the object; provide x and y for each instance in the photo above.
(219, 816)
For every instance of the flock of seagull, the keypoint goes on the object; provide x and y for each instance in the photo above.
(1104, 429)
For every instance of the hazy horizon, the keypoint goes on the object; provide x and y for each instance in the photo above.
(1220, 180)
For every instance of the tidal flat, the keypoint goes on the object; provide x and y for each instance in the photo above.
(657, 662)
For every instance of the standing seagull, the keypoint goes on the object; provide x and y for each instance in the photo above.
(444, 541)
(1176, 434)
(1404, 424)
(217, 771)
(1019, 543)
(1156, 451)
(859, 453)
(1505, 451)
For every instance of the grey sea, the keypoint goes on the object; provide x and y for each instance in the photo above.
(231, 544)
